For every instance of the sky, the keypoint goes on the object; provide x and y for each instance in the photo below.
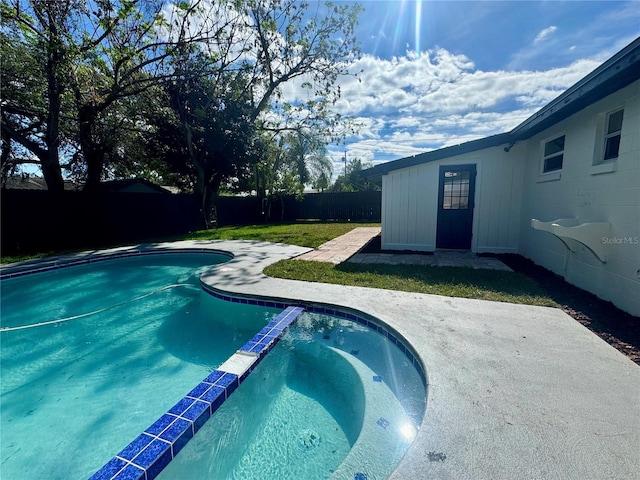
(440, 73)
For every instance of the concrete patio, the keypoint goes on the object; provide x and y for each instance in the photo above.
(514, 391)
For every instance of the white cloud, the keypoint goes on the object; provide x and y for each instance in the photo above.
(416, 103)
(545, 33)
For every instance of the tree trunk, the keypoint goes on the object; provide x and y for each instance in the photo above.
(94, 158)
(208, 196)
(92, 152)
(50, 160)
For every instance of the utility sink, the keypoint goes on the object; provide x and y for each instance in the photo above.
(574, 232)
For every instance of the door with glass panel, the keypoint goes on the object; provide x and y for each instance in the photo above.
(455, 206)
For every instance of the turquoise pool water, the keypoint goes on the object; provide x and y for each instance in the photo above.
(334, 399)
(93, 355)
(75, 392)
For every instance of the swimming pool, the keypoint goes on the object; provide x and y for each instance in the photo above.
(70, 379)
(185, 347)
(334, 399)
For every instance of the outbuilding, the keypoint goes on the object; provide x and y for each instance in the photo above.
(562, 188)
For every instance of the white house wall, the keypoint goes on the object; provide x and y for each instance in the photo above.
(410, 203)
(608, 192)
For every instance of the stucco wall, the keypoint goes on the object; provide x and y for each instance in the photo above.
(609, 192)
(410, 203)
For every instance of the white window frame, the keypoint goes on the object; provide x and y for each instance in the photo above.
(543, 145)
(607, 136)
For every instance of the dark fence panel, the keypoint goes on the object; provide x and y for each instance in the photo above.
(354, 206)
(342, 206)
(38, 220)
(34, 220)
(238, 211)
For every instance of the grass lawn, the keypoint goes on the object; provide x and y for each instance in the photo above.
(306, 234)
(493, 285)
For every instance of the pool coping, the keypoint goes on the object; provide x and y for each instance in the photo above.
(148, 454)
(515, 391)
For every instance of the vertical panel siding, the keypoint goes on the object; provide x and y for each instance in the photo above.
(410, 203)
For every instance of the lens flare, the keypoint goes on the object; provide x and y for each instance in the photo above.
(408, 432)
(418, 21)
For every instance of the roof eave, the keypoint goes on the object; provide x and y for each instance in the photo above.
(616, 73)
(375, 173)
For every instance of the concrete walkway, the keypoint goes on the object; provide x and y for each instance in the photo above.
(514, 391)
(345, 248)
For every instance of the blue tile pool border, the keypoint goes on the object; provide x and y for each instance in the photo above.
(57, 263)
(149, 453)
(340, 312)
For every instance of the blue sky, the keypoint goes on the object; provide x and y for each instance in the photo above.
(440, 73)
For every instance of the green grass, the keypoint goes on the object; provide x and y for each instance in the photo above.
(307, 234)
(6, 259)
(455, 282)
(310, 235)
(493, 285)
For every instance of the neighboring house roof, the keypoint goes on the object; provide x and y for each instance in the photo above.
(27, 182)
(616, 73)
(132, 185)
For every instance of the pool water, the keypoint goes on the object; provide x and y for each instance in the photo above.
(333, 399)
(75, 391)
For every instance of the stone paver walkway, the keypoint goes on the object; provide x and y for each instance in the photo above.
(346, 247)
(343, 247)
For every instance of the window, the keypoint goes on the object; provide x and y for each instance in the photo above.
(613, 127)
(456, 190)
(553, 155)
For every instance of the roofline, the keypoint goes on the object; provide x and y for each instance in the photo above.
(433, 155)
(614, 74)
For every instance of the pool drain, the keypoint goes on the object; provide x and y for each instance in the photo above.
(308, 440)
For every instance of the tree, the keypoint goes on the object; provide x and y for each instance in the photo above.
(352, 179)
(92, 55)
(220, 65)
(299, 159)
(127, 55)
(34, 67)
(291, 43)
(259, 46)
(205, 135)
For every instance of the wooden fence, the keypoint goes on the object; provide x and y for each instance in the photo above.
(39, 220)
(344, 206)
